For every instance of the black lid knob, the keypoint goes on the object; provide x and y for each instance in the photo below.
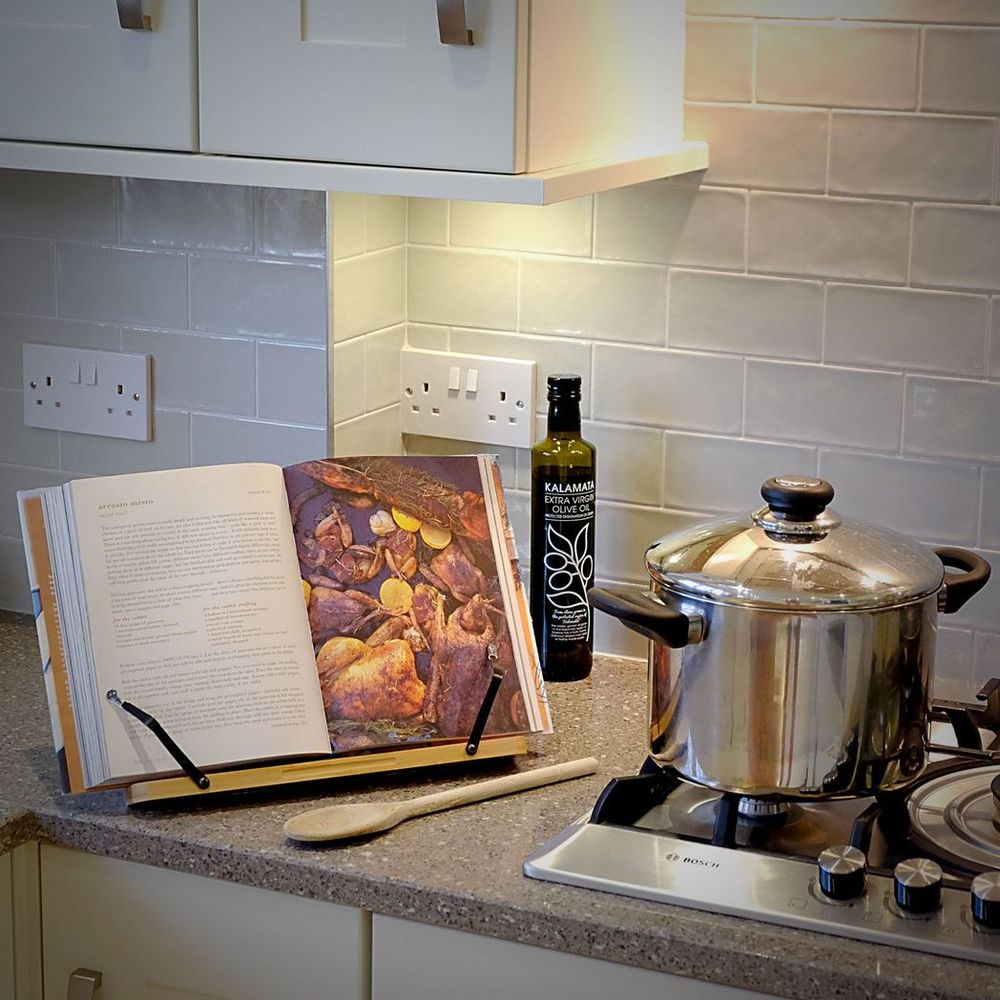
(841, 872)
(797, 498)
(917, 885)
(986, 900)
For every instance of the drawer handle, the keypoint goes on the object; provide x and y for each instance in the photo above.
(453, 26)
(131, 17)
(83, 984)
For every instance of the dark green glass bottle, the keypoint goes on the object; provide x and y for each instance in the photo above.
(563, 497)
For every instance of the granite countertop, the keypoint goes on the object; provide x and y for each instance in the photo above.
(458, 869)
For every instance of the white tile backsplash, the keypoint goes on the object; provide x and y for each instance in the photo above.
(762, 147)
(666, 388)
(746, 314)
(17, 329)
(956, 246)
(961, 70)
(955, 417)
(798, 402)
(171, 448)
(216, 439)
(829, 237)
(827, 302)
(836, 261)
(27, 276)
(58, 206)
(718, 61)
(291, 223)
(184, 216)
(20, 445)
(906, 327)
(896, 160)
(724, 474)
(670, 223)
(106, 262)
(190, 369)
(565, 227)
(598, 300)
(461, 288)
(839, 65)
(266, 298)
(119, 285)
(369, 293)
(928, 500)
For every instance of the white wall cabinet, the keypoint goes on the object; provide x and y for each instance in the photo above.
(458, 964)
(545, 83)
(161, 935)
(70, 73)
(554, 98)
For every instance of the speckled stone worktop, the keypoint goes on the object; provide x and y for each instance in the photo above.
(459, 869)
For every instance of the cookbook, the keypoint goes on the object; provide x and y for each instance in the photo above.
(353, 610)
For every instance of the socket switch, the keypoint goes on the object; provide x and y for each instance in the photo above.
(467, 397)
(87, 392)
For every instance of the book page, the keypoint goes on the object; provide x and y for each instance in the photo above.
(197, 616)
(414, 600)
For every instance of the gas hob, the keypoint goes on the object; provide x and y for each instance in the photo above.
(918, 869)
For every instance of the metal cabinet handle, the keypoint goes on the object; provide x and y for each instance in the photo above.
(453, 26)
(131, 17)
(83, 984)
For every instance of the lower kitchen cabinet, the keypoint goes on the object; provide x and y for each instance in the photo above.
(420, 961)
(20, 925)
(162, 935)
(6, 928)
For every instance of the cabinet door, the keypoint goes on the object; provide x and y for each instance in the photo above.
(160, 935)
(6, 928)
(367, 82)
(70, 73)
(458, 964)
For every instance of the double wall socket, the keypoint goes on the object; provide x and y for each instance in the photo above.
(89, 392)
(467, 397)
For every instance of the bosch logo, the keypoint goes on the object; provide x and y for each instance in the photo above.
(699, 862)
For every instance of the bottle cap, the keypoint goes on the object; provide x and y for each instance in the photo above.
(564, 387)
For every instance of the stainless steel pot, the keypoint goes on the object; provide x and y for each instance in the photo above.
(791, 651)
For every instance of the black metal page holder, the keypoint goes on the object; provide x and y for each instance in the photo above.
(187, 765)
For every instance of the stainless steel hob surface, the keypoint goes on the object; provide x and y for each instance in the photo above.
(918, 870)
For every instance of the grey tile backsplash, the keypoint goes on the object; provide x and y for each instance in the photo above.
(825, 298)
(226, 287)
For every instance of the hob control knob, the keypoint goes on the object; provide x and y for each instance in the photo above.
(918, 885)
(986, 900)
(841, 872)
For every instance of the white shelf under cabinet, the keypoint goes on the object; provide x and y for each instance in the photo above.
(539, 188)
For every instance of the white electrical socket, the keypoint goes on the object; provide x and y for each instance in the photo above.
(467, 397)
(87, 392)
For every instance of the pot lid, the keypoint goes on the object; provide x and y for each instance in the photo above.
(794, 553)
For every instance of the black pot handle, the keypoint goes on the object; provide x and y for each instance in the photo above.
(640, 612)
(959, 587)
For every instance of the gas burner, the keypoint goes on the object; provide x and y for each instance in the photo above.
(952, 818)
(763, 810)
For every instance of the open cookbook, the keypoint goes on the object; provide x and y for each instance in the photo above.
(338, 616)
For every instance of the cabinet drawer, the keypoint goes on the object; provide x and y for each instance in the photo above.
(360, 82)
(458, 964)
(70, 73)
(156, 934)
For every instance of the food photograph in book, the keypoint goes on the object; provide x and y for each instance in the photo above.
(405, 602)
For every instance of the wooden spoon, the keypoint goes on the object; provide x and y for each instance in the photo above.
(354, 819)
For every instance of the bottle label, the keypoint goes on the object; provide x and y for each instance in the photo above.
(568, 520)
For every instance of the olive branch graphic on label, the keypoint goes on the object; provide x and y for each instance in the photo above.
(570, 568)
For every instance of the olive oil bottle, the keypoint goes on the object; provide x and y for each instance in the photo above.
(563, 494)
